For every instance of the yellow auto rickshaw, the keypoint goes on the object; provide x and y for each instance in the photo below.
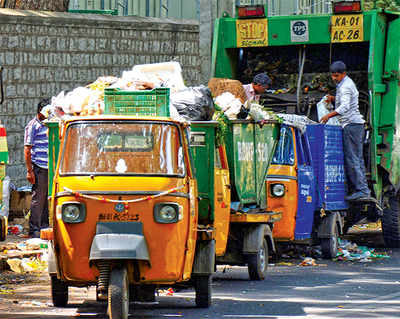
(124, 211)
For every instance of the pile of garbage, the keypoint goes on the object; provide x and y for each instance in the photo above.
(186, 103)
(25, 256)
(349, 251)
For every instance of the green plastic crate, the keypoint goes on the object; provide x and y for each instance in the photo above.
(141, 103)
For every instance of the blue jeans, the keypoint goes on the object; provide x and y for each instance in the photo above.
(353, 136)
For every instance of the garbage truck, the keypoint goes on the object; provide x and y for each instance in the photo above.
(296, 51)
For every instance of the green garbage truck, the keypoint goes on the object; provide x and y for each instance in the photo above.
(296, 52)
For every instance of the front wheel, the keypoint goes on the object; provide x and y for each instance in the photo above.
(329, 246)
(202, 287)
(257, 264)
(118, 294)
(59, 292)
(391, 222)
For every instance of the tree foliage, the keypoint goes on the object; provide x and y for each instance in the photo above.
(391, 5)
(48, 5)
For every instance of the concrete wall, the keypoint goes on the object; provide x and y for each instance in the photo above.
(45, 52)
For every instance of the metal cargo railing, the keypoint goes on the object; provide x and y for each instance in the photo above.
(180, 9)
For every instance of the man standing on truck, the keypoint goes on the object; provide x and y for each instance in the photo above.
(261, 82)
(352, 122)
(35, 150)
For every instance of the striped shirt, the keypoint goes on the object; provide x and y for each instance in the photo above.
(36, 135)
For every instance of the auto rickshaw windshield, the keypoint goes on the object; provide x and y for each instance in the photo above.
(133, 148)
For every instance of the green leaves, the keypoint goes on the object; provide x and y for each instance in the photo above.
(390, 5)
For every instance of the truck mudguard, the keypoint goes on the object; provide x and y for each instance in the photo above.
(51, 262)
(119, 240)
(254, 236)
(204, 259)
(326, 228)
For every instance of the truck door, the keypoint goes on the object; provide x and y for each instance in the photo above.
(306, 188)
(390, 112)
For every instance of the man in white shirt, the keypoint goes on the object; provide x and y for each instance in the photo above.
(352, 122)
(260, 83)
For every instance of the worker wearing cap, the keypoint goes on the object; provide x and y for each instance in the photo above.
(261, 82)
(352, 122)
(35, 150)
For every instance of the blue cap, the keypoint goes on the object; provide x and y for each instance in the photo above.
(338, 67)
(262, 79)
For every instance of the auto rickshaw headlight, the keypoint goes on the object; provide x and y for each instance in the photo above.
(166, 213)
(277, 190)
(73, 212)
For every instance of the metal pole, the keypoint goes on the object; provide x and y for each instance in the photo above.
(1, 86)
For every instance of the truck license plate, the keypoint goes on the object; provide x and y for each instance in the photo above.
(347, 28)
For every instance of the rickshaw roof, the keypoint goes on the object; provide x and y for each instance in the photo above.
(123, 118)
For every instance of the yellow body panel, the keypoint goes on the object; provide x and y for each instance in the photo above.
(167, 243)
(171, 246)
(268, 217)
(222, 204)
(287, 175)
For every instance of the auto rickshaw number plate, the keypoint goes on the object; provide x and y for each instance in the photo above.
(125, 217)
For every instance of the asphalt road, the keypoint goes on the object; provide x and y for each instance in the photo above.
(333, 289)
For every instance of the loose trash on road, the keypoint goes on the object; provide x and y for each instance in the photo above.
(349, 251)
(26, 256)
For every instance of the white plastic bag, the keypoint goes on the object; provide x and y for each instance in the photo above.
(324, 108)
(5, 205)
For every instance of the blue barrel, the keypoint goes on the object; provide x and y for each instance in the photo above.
(326, 145)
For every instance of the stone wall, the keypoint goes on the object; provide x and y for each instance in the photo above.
(44, 53)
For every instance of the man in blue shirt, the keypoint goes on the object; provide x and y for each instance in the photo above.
(35, 150)
(352, 122)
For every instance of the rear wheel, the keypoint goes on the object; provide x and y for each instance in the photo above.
(118, 294)
(202, 286)
(391, 222)
(329, 246)
(59, 292)
(257, 264)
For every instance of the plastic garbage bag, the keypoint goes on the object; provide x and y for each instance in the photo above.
(194, 103)
(324, 108)
(298, 121)
(230, 105)
(5, 204)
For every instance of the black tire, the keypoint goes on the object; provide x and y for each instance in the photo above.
(59, 292)
(118, 294)
(329, 246)
(391, 222)
(202, 287)
(257, 264)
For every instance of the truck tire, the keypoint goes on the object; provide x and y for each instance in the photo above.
(257, 264)
(329, 246)
(59, 292)
(391, 222)
(202, 287)
(118, 294)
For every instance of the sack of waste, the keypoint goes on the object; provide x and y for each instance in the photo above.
(324, 108)
(193, 103)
